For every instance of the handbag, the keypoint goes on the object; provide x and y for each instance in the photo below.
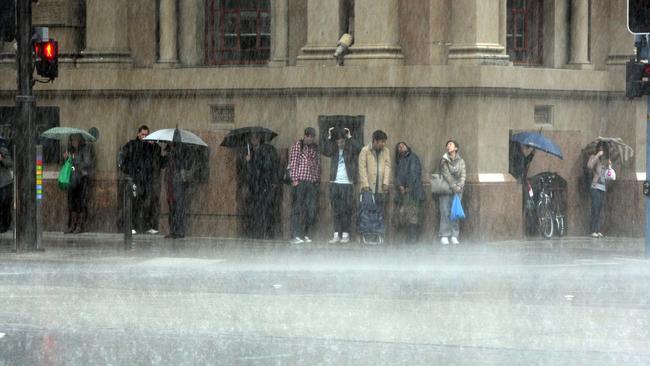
(610, 174)
(439, 185)
(65, 173)
(407, 212)
(457, 212)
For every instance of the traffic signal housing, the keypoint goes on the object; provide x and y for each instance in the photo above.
(638, 16)
(636, 79)
(7, 20)
(47, 58)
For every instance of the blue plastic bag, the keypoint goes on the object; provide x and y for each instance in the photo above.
(457, 212)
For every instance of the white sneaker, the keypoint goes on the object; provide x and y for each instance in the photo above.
(454, 240)
(152, 231)
(133, 232)
(345, 238)
(594, 235)
(307, 240)
(297, 240)
(444, 240)
(335, 239)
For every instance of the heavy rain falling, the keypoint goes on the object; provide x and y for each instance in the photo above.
(324, 182)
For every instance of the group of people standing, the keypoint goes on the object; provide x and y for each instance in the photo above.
(354, 168)
(370, 168)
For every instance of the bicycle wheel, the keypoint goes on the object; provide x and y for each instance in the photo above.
(560, 222)
(545, 220)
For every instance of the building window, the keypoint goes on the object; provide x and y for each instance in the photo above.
(525, 31)
(237, 32)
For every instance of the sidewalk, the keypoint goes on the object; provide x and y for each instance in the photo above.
(96, 240)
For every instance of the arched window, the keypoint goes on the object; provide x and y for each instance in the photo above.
(525, 31)
(237, 32)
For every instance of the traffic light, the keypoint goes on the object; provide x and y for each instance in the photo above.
(47, 58)
(7, 20)
(638, 16)
(646, 188)
(636, 79)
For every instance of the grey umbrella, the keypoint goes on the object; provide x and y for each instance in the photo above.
(182, 136)
(62, 133)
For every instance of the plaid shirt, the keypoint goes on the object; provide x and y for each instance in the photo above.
(304, 163)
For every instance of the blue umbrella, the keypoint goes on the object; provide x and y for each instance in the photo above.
(537, 141)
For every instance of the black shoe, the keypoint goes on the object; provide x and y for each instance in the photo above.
(170, 236)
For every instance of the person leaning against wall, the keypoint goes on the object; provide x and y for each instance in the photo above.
(452, 168)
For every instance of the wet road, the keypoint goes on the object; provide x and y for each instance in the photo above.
(575, 302)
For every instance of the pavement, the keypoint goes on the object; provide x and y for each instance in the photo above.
(84, 300)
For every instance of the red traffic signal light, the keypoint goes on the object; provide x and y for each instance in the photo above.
(47, 58)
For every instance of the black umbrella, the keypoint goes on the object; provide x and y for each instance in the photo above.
(240, 136)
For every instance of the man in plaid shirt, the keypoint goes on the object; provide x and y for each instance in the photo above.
(304, 169)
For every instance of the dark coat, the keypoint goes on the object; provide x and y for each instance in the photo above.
(142, 161)
(350, 156)
(408, 173)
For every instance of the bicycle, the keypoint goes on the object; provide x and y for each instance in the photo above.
(549, 214)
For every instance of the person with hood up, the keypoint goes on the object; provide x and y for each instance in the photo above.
(410, 193)
(6, 188)
(344, 154)
(78, 190)
(452, 168)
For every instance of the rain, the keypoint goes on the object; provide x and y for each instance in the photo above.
(324, 182)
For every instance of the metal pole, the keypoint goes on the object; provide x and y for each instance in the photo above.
(39, 197)
(647, 177)
(127, 199)
(24, 133)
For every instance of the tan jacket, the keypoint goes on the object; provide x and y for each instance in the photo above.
(368, 168)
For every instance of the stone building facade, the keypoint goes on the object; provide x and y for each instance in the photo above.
(423, 71)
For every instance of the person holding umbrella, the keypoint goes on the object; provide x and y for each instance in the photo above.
(176, 178)
(598, 164)
(262, 178)
(82, 168)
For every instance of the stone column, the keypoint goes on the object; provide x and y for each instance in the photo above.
(106, 32)
(322, 32)
(621, 42)
(503, 23)
(476, 33)
(580, 35)
(376, 33)
(279, 33)
(168, 51)
(191, 35)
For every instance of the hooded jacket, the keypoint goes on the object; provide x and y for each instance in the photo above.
(408, 173)
(372, 163)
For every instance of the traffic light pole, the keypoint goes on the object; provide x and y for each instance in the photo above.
(24, 132)
(647, 177)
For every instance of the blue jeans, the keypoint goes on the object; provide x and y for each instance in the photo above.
(597, 199)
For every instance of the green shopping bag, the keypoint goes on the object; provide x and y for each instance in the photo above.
(65, 174)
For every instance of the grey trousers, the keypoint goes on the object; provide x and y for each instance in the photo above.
(447, 227)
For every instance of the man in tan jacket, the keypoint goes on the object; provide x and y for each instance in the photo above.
(374, 165)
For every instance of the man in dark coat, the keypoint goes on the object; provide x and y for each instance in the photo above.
(177, 179)
(262, 178)
(410, 193)
(142, 161)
